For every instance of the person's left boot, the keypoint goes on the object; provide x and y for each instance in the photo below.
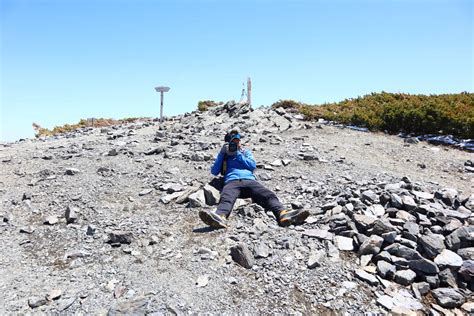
(212, 219)
(294, 217)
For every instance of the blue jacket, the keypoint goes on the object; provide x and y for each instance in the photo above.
(239, 166)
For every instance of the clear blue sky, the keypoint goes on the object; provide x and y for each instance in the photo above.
(66, 60)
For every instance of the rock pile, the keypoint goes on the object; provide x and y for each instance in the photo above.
(105, 221)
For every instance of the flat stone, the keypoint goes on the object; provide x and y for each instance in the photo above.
(344, 243)
(431, 245)
(447, 297)
(145, 192)
(405, 216)
(315, 259)
(54, 294)
(51, 220)
(197, 199)
(371, 246)
(137, 306)
(460, 238)
(241, 255)
(399, 250)
(448, 258)
(370, 196)
(466, 253)
(405, 277)
(423, 265)
(386, 302)
(409, 203)
(385, 269)
(202, 280)
(363, 222)
(170, 197)
(382, 226)
(366, 277)
(318, 233)
(261, 250)
(35, 301)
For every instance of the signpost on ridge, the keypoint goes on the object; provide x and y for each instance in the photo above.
(162, 90)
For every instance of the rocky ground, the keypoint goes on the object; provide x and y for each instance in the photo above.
(105, 221)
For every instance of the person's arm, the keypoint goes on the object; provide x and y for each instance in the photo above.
(216, 167)
(246, 158)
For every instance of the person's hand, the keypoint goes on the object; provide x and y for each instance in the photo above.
(224, 149)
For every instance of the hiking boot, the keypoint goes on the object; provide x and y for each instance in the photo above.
(295, 217)
(212, 219)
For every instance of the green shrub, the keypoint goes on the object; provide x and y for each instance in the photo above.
(205, 105)
(399, 112)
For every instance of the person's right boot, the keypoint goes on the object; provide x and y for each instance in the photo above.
(294, 217)
(212, 219)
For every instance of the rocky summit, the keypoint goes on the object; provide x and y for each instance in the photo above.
(105, 221)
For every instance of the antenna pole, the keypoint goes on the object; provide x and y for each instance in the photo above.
(249, 91)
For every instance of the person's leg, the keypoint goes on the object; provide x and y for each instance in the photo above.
(268, 200)
(264, 197)
(229, 194)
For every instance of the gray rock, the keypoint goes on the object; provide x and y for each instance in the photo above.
(137, 306)
(447, 297)
(51, 220)
(405, 216)
(197, 199)
(371, 246)
(386, 302)
(71, 214)
(448, 258)
(90, 231)
(432, 280)
(170, 197)
(35, 301)
(448, 277)
(72, 171)
(466, 253)
(318, 233)
(375, 210)
(155, 151)
(423, 265)
(344, 243)
(145, 192)
(385, 269)
(261, 250)
(363, 222)
(396, 201)
(382, 226)
(467, 270)
(315, 259)
(211, 195)
(265, 176)
(241, 255)
(405, 277)
(420, 289)
(366, 277)
(409, 203)
(460, 238)
(120, 237)
(399, 250)
(431, 245)
(370, 196)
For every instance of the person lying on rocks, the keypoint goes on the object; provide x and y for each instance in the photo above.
(240, 182)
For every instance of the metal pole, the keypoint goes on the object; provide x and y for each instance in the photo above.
(161, 108)
(249, 91)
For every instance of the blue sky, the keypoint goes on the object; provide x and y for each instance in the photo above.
(66, 60)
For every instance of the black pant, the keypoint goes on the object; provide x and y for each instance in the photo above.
(248, 189)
